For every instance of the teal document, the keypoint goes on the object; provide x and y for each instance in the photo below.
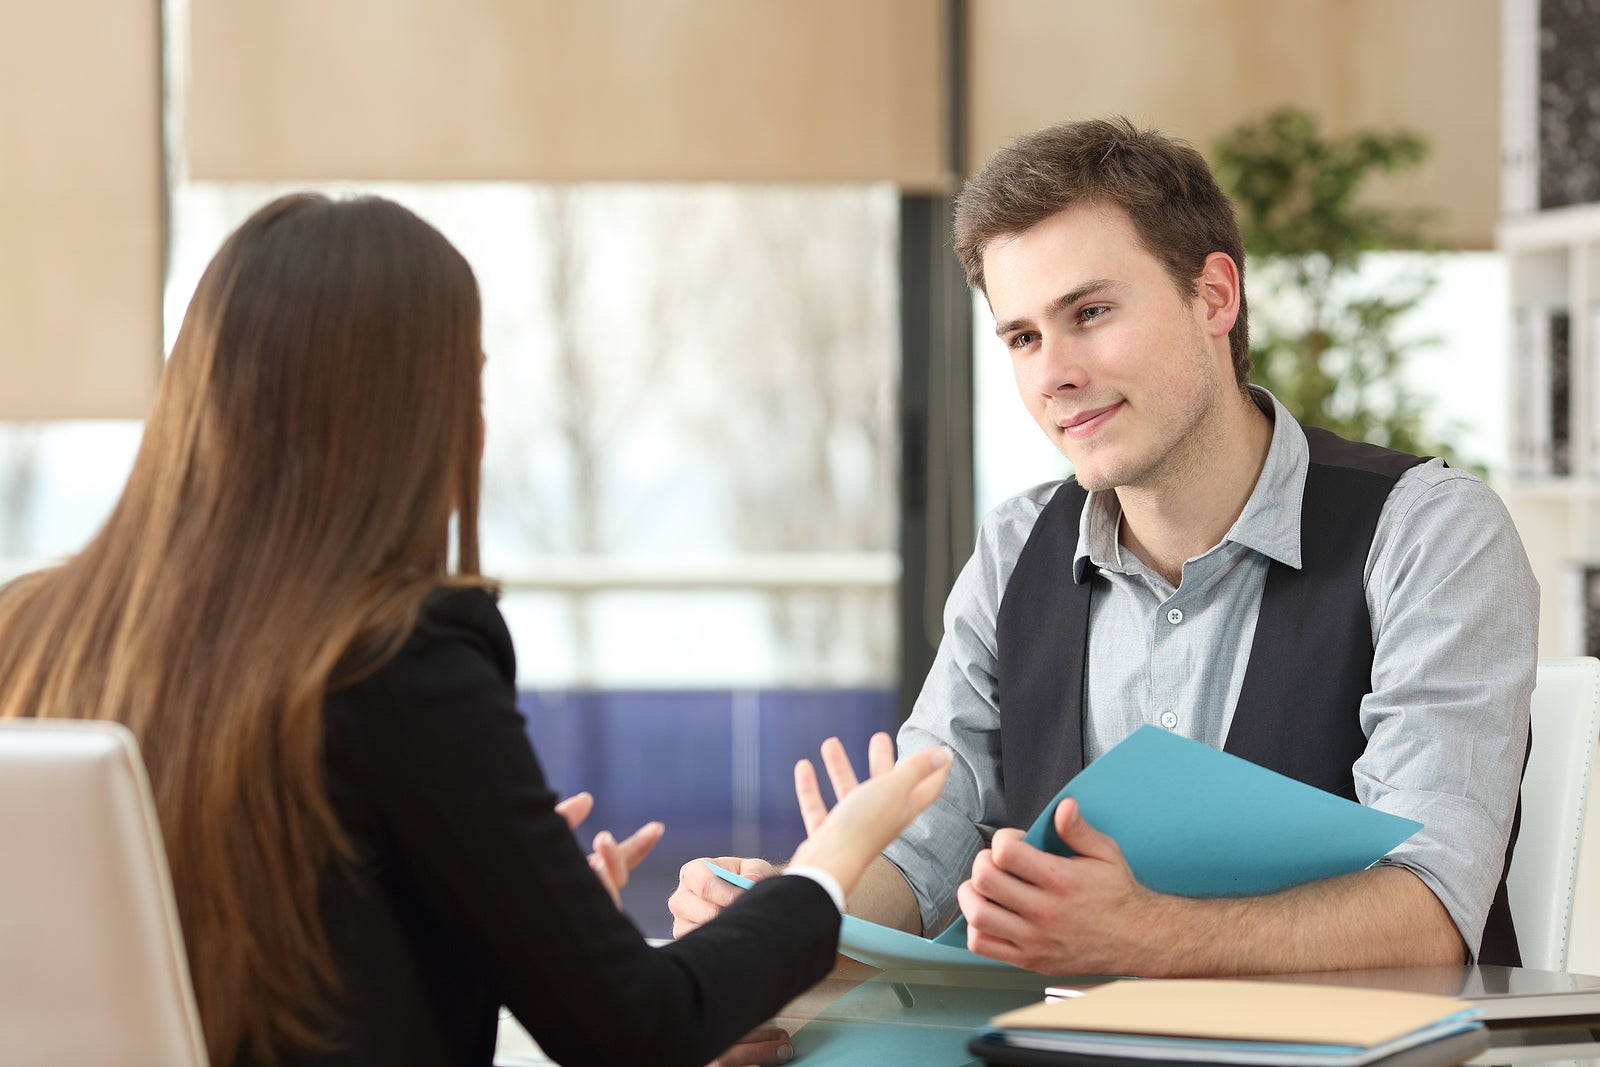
(1191, 821)
(888, 948)
(926, 1025)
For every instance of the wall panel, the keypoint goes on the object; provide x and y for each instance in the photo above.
(1195, 70)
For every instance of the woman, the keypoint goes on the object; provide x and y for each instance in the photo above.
(365, 856)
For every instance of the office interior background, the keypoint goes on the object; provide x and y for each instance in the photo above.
(743, 415)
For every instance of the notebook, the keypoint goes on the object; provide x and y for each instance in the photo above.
(1262, 1024)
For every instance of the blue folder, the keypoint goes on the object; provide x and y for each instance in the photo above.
(1191, 821)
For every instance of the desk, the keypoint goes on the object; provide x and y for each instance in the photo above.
(861, 1016)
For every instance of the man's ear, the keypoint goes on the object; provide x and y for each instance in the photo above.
(1218, 290)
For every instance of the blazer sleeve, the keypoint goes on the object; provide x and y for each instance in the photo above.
(448, 766)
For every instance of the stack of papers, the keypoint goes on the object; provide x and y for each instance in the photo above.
(1224, 1022)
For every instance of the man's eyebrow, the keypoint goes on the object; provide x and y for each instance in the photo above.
(1060, 303)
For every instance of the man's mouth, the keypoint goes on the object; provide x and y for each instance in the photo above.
(1085, 423)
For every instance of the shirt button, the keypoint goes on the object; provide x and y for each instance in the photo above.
(1169, 719)
(1175, 616)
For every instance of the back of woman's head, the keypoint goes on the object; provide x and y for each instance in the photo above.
(317, 425)
(323, 391)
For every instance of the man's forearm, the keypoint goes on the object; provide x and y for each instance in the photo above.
(883, 896)
(1383, 917)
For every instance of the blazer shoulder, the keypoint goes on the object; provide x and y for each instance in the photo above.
(469, 615)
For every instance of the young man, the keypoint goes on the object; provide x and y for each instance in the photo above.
(1359, 619)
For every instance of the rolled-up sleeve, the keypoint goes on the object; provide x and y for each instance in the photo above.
(958, 709)
(1455, 614)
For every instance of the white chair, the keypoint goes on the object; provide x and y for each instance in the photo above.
(1554, 883)
(92, 966)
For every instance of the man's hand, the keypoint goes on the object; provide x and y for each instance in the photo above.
(765, 1046)
(1079, 914)
(701, 895)
(1086, 914)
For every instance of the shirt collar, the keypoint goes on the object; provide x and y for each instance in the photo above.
(1269, 523)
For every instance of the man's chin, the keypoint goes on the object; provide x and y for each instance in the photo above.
(1093, 479)
(1099, 477)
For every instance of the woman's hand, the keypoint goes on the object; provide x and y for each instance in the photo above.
(869, 814)
(611, 860)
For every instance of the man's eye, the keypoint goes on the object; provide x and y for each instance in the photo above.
(1092, 312)
(1022, 340)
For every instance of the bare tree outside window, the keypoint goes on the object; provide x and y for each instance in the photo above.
(806, 419)
(563, 402)
(19, 489)
(739, 342)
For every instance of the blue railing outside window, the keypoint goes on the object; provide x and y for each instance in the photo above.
(716, 766)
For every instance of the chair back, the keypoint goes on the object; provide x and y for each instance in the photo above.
(92, 965)
(1554, 882)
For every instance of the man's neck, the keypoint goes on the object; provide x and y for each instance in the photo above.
(1190, 511)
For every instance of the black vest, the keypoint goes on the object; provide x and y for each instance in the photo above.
(1312, 650)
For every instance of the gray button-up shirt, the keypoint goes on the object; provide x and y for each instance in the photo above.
(1454, 610)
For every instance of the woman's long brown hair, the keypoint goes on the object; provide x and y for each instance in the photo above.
(317, 425)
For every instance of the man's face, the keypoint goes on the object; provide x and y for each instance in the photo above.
(1110, 358)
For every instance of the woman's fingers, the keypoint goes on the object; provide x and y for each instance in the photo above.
(610, 853)
(639, 844)
(871, 815)
(934, 765)
(608, 866)
(611, 860)
(575, 809)
(813, 809)
(840, 773)
(880, 754)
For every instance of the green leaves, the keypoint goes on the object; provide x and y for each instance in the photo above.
(1298, 193)
(1328, 342)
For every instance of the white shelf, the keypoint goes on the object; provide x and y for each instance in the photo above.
(1556, 229)
(1571, 490)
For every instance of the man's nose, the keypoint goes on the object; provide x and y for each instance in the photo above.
(1058, 368)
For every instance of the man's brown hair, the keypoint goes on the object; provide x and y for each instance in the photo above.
(1163, 184)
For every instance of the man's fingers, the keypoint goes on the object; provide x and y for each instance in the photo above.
(689, 911)
(753, 869)
(813, 809)
(1080, 837)
(699, 879)
(575, 809)
(991, 879)
(765, 1045)
(701, 894)
(1015, 863)
(991, 930)
(837, 762)
(880, 754)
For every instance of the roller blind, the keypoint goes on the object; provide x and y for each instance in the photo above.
(692, 90)
(81, 199)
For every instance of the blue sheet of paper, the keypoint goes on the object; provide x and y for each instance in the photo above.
(1197, 822)
(1191, 821)
(925, 1025)
(888, 948)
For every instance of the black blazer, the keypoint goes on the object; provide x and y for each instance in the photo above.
(469, 891)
